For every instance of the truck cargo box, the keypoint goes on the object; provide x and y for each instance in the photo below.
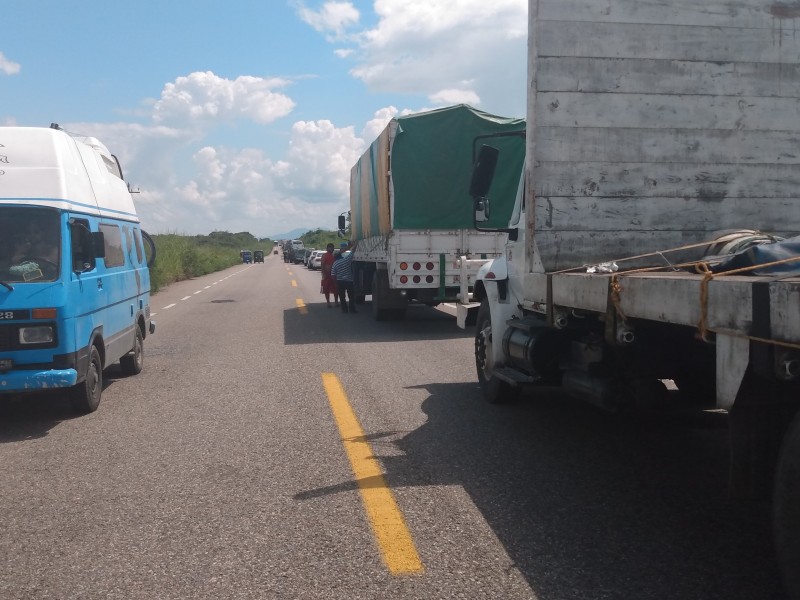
(415, 175)
(659, 124)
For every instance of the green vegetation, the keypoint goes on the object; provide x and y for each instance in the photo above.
(180, 257)
(320, 238)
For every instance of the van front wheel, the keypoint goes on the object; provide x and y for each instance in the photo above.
(85, 396)
(133, 362)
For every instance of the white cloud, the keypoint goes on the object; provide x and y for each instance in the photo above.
(189, 187)
(432, 47)
(204, 97)
(448, 97)
(320, 157)
(7, 66)
(333, 18)
(378, 123)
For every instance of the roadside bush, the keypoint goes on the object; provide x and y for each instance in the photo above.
(181, 257)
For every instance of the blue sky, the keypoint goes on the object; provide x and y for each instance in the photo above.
(247, 115)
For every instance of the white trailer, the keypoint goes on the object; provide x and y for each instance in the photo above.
(654, 131)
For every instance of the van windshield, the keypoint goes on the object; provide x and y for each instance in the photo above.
(30, 243)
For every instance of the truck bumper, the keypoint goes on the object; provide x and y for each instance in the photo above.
(29, 381)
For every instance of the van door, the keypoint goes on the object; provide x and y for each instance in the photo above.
(85, 296)
(118, 285)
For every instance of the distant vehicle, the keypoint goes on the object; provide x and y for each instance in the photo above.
(307, 255)
(247, 257)
(275, 251)
(315, 261)
(258, 256)
(294, 251)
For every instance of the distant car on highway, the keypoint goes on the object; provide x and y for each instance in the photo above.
(315, 261)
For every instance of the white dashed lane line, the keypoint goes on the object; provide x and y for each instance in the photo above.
(197, 292)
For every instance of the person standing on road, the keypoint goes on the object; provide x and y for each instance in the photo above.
(342, 271)
(328, 282)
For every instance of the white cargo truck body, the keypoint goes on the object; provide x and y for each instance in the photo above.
(658, 230)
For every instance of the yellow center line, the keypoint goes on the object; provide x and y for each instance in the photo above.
(388, 525)
(294, 283)
(301, 306)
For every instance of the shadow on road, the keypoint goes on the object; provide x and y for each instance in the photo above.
(32, 416)
(330, 325)
(591, 505)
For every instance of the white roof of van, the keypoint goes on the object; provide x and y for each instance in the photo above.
(48, 167)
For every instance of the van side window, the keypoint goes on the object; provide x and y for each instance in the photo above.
(139, 246)
(113, 242)
(82, 258)
(127, 241)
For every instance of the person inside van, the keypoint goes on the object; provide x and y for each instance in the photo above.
(35, 244)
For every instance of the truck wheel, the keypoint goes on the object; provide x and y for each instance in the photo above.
(494, 390)
(85, 396)
(133, 362)
(786, 518)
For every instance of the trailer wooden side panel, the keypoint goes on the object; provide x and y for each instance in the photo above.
(660, 124)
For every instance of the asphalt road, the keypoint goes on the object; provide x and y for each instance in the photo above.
(226, 470)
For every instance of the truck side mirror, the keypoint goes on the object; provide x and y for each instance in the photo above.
(342, 223)
(483, 171)
(482, 208)
(98, 244)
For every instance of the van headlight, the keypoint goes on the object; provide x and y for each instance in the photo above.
(37, 334)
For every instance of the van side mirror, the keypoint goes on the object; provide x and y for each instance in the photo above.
(342, 223)
(98, 244)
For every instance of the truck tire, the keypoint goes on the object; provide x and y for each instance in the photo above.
(378, 312)
(85, 396)
(786, 516)
(494, 390)
(380, 289)
(133, 362)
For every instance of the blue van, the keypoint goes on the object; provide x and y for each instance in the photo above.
(74, 266)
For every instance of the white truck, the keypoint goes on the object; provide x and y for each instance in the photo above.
(654, 234)
(411, 226)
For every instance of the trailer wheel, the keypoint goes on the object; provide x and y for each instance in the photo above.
(133, 362)
(85, 396)
(786, 517)
(494, 390)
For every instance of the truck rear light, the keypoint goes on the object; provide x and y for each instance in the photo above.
(429, 266)
(429, 279)
(416, 278)
(403, 266)
(403, 278)
(417, 266)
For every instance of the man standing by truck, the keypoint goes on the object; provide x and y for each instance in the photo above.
(342, 272)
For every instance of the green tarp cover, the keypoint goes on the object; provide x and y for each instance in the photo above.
(431, 166)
